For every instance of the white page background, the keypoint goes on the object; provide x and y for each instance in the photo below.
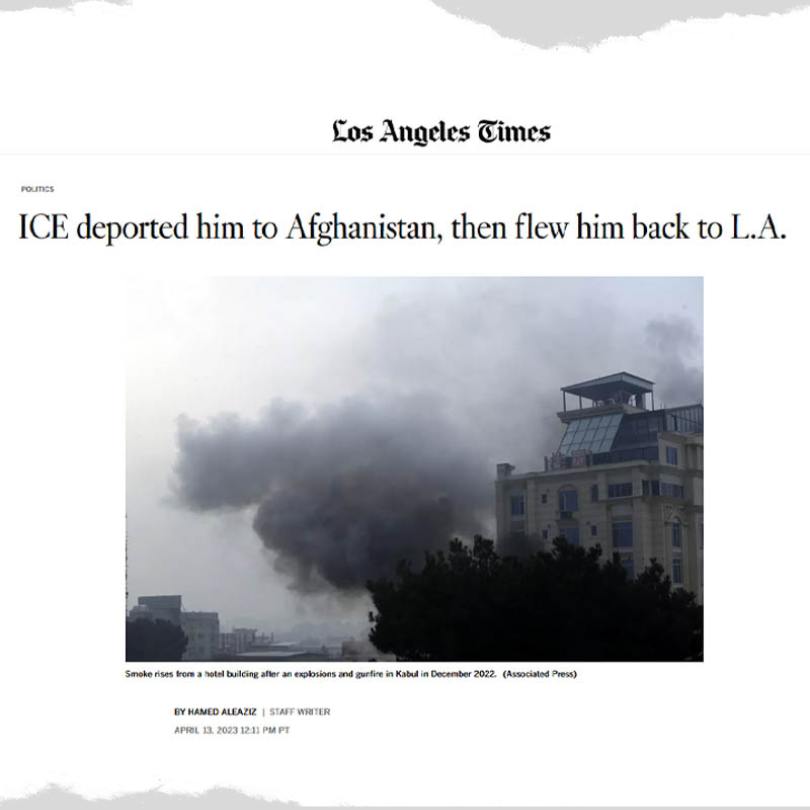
(265, 78)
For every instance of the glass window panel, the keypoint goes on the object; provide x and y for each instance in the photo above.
(676, 535)
(623, 534)
(593, 435)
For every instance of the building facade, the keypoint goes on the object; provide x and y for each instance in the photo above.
(167, 608)
(238, 640)
(625, 476)
(201, 627)
(202, 630)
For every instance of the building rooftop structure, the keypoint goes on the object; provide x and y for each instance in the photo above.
(621, 388)
(617, 425)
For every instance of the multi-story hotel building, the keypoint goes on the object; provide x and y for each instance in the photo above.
(625, 476)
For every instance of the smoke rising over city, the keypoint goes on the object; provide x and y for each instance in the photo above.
(344, 491)
(456, 378)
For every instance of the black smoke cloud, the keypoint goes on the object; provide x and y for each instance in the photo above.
(343, 492)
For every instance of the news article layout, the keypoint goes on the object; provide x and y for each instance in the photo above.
(371, 486)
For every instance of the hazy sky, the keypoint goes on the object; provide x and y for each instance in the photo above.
(409, 379)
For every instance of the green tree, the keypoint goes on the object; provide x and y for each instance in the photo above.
(470, 604)
(157, 640)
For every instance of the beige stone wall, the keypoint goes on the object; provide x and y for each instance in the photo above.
(652, 516)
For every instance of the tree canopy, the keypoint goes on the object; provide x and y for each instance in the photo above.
(155, 640)
(470, 604)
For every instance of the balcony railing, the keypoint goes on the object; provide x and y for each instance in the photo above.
(557, 461)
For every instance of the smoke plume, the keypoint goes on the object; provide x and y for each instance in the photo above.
(678, 350)
(342, 492)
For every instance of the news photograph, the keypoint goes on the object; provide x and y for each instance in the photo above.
(414, 469)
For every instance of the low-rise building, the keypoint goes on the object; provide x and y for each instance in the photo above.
(167, 608)
(238, 640)
(201, 627)
(202, 630)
